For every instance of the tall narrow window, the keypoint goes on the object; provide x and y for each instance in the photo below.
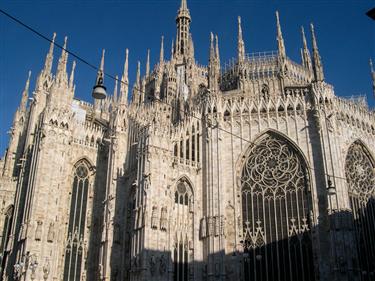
(276, 213)
(360, 175)
(74, 251)
(183, 233)
(5, 238)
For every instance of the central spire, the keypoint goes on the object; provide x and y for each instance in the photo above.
(183, 30)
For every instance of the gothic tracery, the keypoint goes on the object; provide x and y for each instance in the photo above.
(275, 209)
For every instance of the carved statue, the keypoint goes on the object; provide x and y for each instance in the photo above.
(38, 231)
(203, 227)
(163, 265)
(210, 226)
(152, 263)
(51, 233)
(154, 218)
(163, 219)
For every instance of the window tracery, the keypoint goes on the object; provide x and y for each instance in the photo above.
(183, 248)
(360, 175)
(276, 213)
(75, 246)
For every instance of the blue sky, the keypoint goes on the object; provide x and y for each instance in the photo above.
(346, 38)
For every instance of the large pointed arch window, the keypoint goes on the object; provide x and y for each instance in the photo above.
(74, 250)
(360, 175)
(276, 213)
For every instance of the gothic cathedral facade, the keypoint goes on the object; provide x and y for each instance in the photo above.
(252, 171)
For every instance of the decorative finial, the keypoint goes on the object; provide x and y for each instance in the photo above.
(183, 5)
(61, 75)
(241, 44)
(317, 62)
(305, 52)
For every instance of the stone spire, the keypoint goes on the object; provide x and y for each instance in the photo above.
(302, 57)
(305, 51)
(25, 94)
(138, 76)
(217, 50)
(172, 50)
(161, 57)
(49, 58)
(213, 67)
(212, 49)
(241, 44)
(317, 62)
(191, 47)
(137, 85)
(61, 75)
(183, 5)
(373, 76)
(115, 90)
(71, 78)
(280, 39)
(148, 64)
(124, 87)
(183, 30)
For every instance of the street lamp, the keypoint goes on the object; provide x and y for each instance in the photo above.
(99, 90)
(371, 13)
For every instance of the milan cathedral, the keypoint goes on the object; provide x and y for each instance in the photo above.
(249, 170)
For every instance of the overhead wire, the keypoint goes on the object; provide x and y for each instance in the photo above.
(79, 58)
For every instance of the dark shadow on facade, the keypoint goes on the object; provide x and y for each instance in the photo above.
(284, 260)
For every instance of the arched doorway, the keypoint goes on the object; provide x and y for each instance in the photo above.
(276, 212)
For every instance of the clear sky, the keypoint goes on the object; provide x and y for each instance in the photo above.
(346, 38)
